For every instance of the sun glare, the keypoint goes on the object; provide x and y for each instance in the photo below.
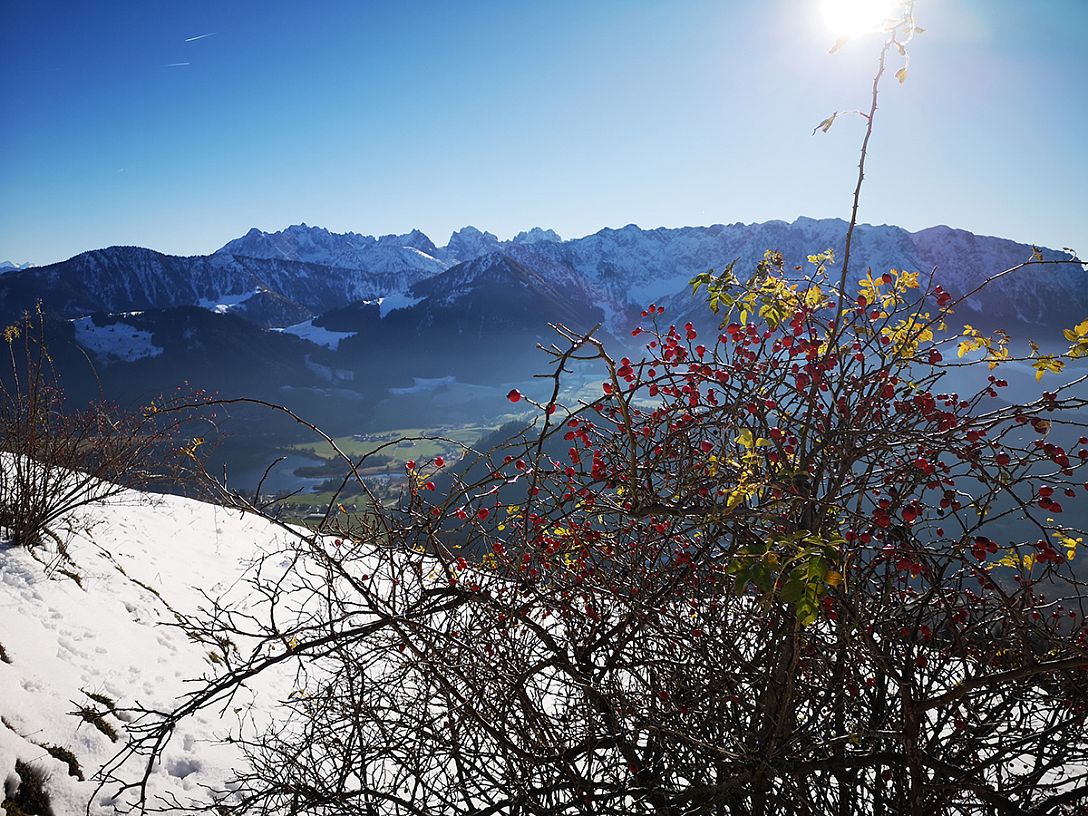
(851, 18)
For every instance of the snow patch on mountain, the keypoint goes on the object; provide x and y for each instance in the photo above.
(317, 335)
(114, 342)
(393, 301)
(224, 303)
(422, 385)
(537, 235)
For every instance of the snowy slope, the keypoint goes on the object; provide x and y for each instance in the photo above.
(317, 334)
(137, 558)
(114, 342)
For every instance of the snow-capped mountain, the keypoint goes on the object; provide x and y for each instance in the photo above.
(286, 278)
(409, 257)
(618, 269)
(468, 243)
(537, 235)
(8, 266)
(267, 291)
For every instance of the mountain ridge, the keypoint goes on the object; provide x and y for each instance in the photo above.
(282, 279)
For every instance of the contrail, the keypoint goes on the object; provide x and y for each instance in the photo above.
(200, 37)
(176, 64)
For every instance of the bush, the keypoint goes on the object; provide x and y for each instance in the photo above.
(55, 457)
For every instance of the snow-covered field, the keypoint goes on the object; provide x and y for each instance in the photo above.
(104, 641)
(115, 342)
(317, 334)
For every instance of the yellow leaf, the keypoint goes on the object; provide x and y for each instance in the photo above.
(1047, 363)
(901, 75)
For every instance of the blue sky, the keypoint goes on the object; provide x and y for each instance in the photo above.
(379, 117)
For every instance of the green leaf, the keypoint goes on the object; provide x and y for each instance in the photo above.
(793, 590)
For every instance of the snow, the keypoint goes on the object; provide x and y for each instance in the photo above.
(115, 342)
(396, 254)
(224, 303)
(423, 385)
(317, 335)
(394, 301)
(537, 235)
(110, 636)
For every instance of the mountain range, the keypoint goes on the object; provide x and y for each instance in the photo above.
(353, 314)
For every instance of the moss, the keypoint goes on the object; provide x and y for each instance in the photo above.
(68, 758)
(75, 576)
(90, 715)
(102, 699)
(149, 588)
(31, 799)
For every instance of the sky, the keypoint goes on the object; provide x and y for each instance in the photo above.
(125, 124)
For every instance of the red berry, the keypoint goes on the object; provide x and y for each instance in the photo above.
(514, 395)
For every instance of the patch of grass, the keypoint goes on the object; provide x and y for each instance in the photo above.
(95, 718)
(102, 699)
(136, 581)
(67, 757)
(32, 798)
(148, 587)
(75, 576)
(420, 450)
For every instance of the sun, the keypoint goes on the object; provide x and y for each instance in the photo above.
(851, 18)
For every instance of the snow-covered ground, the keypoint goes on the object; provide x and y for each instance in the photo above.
(98, 627)
(317, 334)
(114, 342)
(224, 303)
